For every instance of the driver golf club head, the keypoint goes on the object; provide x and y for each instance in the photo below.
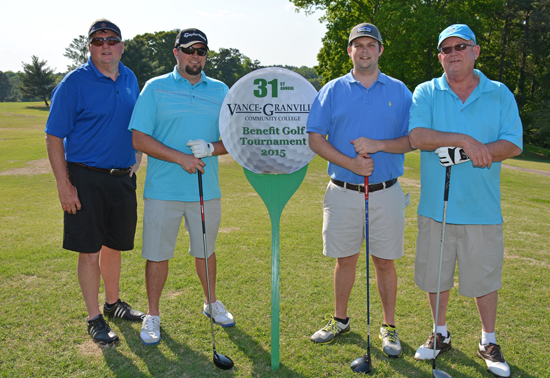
(223, 362)
(362, 364)
(440, 374)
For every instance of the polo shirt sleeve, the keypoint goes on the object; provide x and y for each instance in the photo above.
(145, 112)
(407, 101)
(319, 119)
(511, 128)
(421, 107)
(63, 111)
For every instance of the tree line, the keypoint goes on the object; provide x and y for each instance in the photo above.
(147, 55)
(514, 36)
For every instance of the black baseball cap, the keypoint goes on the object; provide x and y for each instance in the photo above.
(103, 25)
(189, 37)
(364, 30)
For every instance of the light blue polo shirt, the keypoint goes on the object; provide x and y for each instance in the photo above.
(91, 113)
(489, 114)
(345, 110)
(173, 111)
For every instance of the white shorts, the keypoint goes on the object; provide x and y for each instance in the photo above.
(344, 222)
(161, 224)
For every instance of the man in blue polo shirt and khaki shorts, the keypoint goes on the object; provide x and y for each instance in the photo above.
(94, 163)
(365, 115)
(175, 122)
(472, 123)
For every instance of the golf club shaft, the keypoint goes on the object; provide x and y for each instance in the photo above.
(206, 259)
(367, 248)
(445, 199)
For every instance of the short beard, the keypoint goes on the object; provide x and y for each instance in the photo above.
(193, 71)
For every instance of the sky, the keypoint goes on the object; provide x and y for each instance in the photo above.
(267, 30)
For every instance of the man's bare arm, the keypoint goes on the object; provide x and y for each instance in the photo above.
(361, 165)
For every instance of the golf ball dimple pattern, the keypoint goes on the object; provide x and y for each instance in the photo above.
(268, 158)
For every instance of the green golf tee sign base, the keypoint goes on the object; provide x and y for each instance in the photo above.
(275, 191)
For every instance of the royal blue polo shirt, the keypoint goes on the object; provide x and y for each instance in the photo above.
(91, 112)
(345, 110)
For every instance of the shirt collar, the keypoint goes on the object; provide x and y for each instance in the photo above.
(382, 78)
(485, 85)
(121, 69)
(177, 76)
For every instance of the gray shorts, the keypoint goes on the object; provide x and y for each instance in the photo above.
(161, 224)
(344, 222)
(478, 248)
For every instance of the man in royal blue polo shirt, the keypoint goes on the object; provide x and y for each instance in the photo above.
(365, 115)
(175, 122)
(94, 163)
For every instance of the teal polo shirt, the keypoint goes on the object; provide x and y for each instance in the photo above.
(489, 114)
(173, 111)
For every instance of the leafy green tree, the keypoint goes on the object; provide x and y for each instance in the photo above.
(6, 88)
(514, 36)
(228, 65)
(137, 57)
(161, 46)
(37, 81)
(77, 52)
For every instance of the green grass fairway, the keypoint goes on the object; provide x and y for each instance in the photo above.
(42, 321)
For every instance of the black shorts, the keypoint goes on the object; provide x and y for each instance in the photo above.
(108, 215)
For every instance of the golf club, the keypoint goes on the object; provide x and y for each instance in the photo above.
(363, 364)
(221, 361)
(438, 373)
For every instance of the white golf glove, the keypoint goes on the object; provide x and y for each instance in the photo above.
(201, 148)
(451, 156)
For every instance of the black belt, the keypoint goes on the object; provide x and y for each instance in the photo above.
(112, 172)
(361, 188)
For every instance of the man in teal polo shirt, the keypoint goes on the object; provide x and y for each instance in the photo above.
(479, 120)
(175, 122)
(365, 115)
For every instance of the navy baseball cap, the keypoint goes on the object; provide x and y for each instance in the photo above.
(457, 30)
(103, 25)
(189, 37)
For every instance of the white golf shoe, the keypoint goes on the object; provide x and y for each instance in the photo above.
(150, 330)
(221, 315)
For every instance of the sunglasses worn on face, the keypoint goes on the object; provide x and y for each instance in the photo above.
(459, 47)
(111, 41)
(191, 50)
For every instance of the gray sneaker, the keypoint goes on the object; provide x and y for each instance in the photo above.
(390, 343)
(333, 328)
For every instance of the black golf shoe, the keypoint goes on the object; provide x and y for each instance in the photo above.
(100, 331)
(123, 311)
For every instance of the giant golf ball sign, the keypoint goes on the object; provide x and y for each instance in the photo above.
(263, 121)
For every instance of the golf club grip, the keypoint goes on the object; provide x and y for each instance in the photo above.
(201, 200)
(447, 183)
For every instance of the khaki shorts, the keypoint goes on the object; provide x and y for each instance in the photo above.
(344, 222)
(161, 224)
(478, 248)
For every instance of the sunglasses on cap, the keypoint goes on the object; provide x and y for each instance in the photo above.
(111, 41)
(201, 51)
(459, 47)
